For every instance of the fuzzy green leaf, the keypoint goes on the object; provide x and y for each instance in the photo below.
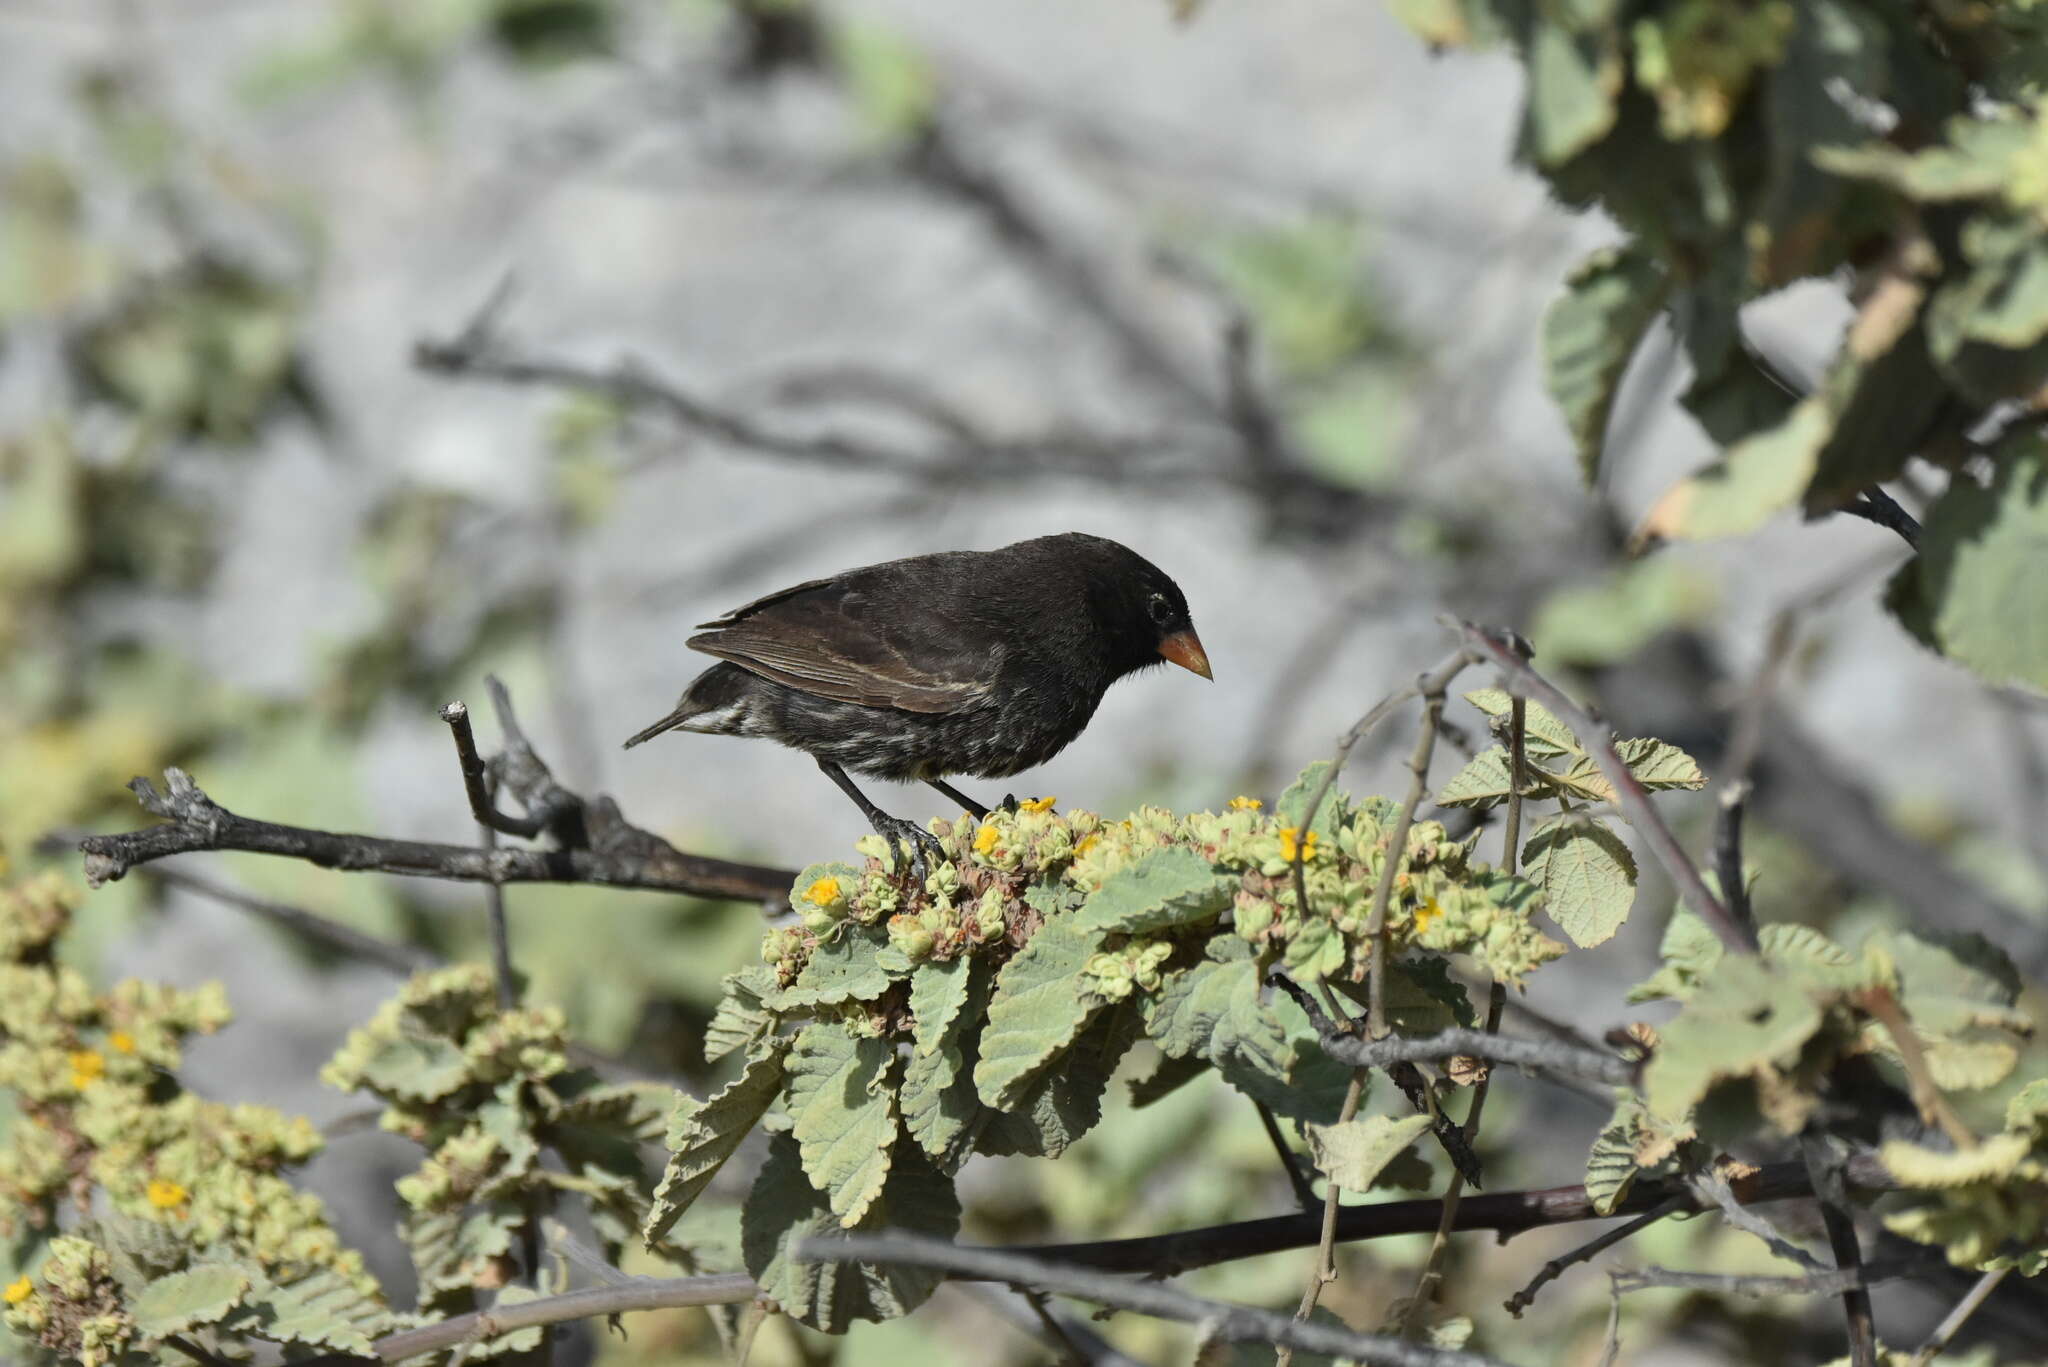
(1483, 783)
(937, 993)
(322, 1309)
(416, 1067)
(1745, 1018)
(1590, 333)
(1292, 805)
(1037, 1012)
(1982, 550)
(741, 1020)
(703, 1134)
(1611, 1164)
(178, 1301)
(1976, 161)
(1573, 79)
(1587, 875)
(1164, 890)
(941, 1110)
(1167, 1077)
(842, 969)
(1353, 1154)
(1660, 767)
(1758, 476)
(1066, 1101)
(783, 1208)
(844, 1113)
(1543, 735)
(1267, 1050)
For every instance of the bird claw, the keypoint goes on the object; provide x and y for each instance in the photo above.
(1009, 803)
(896, 831)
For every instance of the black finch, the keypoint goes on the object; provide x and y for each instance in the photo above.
(963, 662)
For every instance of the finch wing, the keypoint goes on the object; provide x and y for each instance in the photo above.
(863, 639)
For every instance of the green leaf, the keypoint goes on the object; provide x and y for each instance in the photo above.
(703, 1134)
(1758, 476)
(1976, 162)
(1590, 332)
(1587, 875)
(844, 1111)
(937, 993)
(1293, 804)
(1164, 890)
(1689, 951)
(1037, 1012)
(1543, 735)
(178, 1301)
(1267, 1050)
(416, 1067)
(322, 1309)
(1066, 1101)
(1980, 566)
(1353, 1154)
(1573, 79)
(1611, 1166)
(783, 1208)
(1422, 998)
(941, 1109)
(452, 1249)
(741, 1020)
(1660, 767)
(1483, 783)
(841, 969)
(1746, 1018)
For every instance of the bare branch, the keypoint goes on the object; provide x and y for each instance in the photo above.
(1519, 1050)
(1959, 1316)
(1875, 505)
(640, 1293)
(1587, 1251)
(619, 855)
(1812, 1284)
(1219, 1319)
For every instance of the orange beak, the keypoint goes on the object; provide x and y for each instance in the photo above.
(1184, 648)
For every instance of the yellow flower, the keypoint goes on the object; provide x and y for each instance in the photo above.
(1087, 844)
(121, 1042)
(166, 1195)
(985, 839)
(1290, 836)
(1037, 804)
(823, 893)
(1426, 913)
(19, 1290)
(1245, 804)
(86, 1067)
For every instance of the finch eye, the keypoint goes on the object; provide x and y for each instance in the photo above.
(1160, 609)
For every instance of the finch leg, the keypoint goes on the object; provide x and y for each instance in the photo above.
(956, 795)
(893, 829)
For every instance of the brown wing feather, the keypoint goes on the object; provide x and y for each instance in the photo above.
(830, 638)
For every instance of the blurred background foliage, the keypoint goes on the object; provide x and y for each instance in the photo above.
(236, 534)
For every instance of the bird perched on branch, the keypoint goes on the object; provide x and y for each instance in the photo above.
(964, 662)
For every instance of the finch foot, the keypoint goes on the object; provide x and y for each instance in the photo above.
(923, 843)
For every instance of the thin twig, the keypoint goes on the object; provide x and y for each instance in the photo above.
(476, 779)
(1956, 1318)
(1634, 801)
(1325, 1270)
(1884, 1008)
(1841, 1231)
(1812, 1284)
(1875, 505)
(642, 1293)
(1552, 1055)
(1431, 1276)
(1716, 1190)
(1587, 1251)
(1219, 1319)
(1290, 1162)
